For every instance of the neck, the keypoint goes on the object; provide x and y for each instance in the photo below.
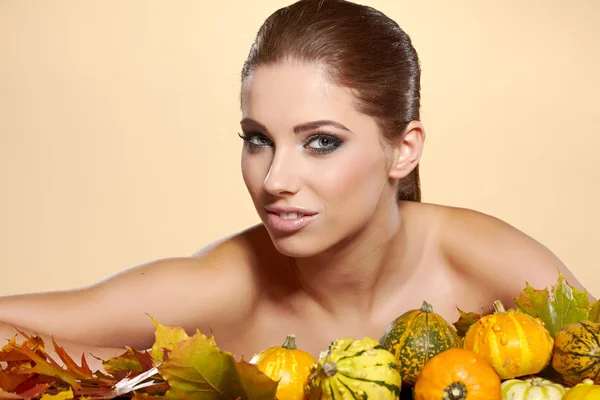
(348, 276)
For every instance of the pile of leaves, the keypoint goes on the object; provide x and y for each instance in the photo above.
(193, 367)
(177, 367)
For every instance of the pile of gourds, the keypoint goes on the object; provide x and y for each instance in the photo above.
(498, 358)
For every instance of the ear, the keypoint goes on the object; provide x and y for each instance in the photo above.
(407, 150)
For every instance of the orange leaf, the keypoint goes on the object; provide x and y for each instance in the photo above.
(34, 391)
(9, 381)
(83, 372)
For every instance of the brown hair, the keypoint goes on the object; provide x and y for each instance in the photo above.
(361, 48)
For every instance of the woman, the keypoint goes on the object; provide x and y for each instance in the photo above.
(331, 146)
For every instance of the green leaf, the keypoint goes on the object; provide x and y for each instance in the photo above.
(595, 312)
(198, 370)
(560, 306)
(465, 321)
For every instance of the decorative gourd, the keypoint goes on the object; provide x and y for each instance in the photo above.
(457, 374)
(415, 337)
(532, 389)
(577, 352)
(583, 391)
(287, 365)
(514, 343)
(354, 369)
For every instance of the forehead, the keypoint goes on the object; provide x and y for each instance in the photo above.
(285, 94)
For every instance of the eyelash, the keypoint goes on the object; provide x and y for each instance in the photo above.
(336, 141)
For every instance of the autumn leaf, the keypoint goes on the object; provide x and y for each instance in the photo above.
(44, 365)
(64, 395)
(259, 385)
(130, 363)
(165, 337)
(198, 370)
(556, 308)
(83, 372)
(10, 381)
(595, 312)
(34, 391)
(465, 321)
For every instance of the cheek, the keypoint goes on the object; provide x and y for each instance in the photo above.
(355, 179)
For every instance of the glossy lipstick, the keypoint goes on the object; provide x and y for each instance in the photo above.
(289, 219)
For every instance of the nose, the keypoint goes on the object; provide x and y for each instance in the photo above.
(282, 177)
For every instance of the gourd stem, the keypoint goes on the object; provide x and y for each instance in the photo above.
(290, 342)
(329, 368)
(499, 307)
(455, 391)
(426, 307)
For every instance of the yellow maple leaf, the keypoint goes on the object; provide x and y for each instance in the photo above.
(166, 338)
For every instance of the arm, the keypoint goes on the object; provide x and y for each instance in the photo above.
(500, 257)
(105, 317)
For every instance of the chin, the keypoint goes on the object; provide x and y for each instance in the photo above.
(298, 245)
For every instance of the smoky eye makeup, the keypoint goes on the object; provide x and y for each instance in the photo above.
(318, 143)
(322, 143)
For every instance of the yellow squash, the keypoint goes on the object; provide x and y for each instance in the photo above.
(512, 342)
(287, 365)
(583, 391)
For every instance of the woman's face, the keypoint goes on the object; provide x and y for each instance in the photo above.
(314, 166)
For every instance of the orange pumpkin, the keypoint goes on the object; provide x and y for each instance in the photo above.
(287, 365)
(457, 374)
(514, 343)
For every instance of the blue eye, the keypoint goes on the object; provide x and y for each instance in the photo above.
(323, 143)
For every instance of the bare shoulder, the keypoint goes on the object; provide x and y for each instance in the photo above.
(496, 255)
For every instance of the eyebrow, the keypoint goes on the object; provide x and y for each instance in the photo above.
(307, 126)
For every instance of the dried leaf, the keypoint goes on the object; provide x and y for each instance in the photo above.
(556, 308)
(32, 349)
(595, 312)
(465, 321)
(256, 384)
(64, 395)
(10, 381)
(83, 372)
(34, 391)
(131, 362)
(198, 370)
(165, 338)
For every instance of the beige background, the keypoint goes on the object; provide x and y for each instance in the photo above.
(119, 121)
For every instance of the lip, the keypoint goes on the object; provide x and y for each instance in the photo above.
(289, 225)
(289, 209)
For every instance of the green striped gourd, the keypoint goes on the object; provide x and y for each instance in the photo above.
(417, 336)
(576, 353)
(532, 389)
(354, 369)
